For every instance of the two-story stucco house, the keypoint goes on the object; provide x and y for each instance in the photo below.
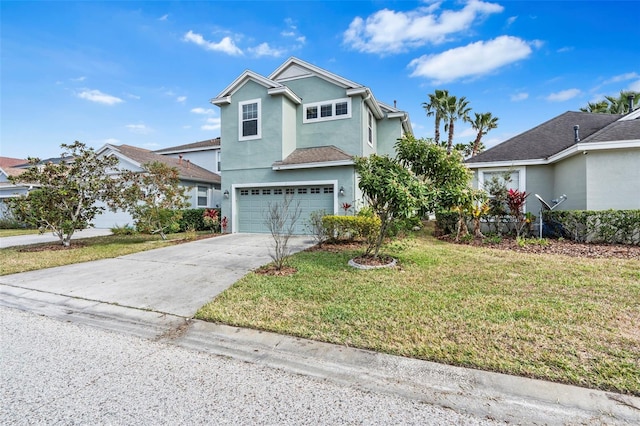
(295, 133)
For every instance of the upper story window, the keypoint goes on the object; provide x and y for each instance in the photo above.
(250, 123)
(327, 110)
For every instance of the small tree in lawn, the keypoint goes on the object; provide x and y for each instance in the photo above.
(154, 198)
(65, 195)
(281, 220)
(391, 190)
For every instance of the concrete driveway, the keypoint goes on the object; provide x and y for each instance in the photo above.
(175, 280)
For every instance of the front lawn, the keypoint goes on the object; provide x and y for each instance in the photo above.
(16, 232)
(553, 317)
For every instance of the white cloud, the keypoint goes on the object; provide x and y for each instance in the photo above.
(163, 17)
(565, 49)
(521, 96)
(264, 49)
(635, 86)
(181, 99)
(511, 20)
(388, 31)
(204, 111)
(563, 95)
(79, 79)
(112, 141)
(99, 97)
(139, 129)
(212, 124)
(226, 45)
(622, 77)
(132, 96)
(474, 59)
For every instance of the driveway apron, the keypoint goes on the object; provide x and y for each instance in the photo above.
(175, 280)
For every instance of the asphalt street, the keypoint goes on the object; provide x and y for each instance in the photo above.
(55, 372)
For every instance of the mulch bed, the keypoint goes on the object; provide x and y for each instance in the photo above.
(563, 247)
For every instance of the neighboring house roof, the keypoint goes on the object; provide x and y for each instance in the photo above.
(195, 146)
(323, 156)
(6, 162)
(556, 135)
(186, 169)
(12, 171)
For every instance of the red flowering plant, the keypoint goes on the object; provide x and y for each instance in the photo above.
(223, 224)
(346, 207)
(515, 202)
(210, 219)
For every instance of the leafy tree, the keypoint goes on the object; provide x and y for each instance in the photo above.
(611, 104)
(65, 195)
(454, 109)
(391, 190)
(436, 107)
(482, 124)
(154, 198)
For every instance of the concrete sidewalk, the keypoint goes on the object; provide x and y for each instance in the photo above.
(48, 237)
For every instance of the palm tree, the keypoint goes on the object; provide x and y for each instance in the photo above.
(482, 123)
(435, 107)
(612, 104)
(600, 107)
(454, 109)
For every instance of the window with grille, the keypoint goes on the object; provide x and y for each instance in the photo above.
(249, 126)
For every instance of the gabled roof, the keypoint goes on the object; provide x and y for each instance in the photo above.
(273, 88)
(195, 146)
(11, 162)
(140, 156)
(552, 137)
(322, 156)
(294, 68)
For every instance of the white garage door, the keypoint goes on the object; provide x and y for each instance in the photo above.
(253, 204)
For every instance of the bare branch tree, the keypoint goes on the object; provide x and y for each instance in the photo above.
(281, 220)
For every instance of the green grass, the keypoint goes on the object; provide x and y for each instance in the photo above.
(551, 317)
(15, 232)
(37, 256)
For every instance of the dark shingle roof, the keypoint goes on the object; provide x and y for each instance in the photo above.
(617, 131)
(315, 155)
(548, 138)
(209, 143)
(186, 169)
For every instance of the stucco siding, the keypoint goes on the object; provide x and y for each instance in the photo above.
(205, 159)
(389, 131)
(613, 179)
(289, 131)
(539, 181)
(570, 178)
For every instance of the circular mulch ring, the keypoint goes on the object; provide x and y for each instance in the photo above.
(370, 262)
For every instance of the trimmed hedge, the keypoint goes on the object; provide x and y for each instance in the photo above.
(602, 226)
(350, 227)
(192, 219)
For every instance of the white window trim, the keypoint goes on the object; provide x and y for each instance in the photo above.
(240, 120)
(522, 178)
(333, 116)
(207, 192)
(370, 122)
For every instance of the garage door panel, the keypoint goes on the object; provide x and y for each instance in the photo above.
(253, 203)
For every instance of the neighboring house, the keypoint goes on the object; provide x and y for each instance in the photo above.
(203, 185)
(8, 189)
(205, 154)
(295, 133)
(592, 158)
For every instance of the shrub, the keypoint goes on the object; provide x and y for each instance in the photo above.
(606, 226)
(124, 230)
(350, 227)
(446, 222)
(192, 219)
(315, 227)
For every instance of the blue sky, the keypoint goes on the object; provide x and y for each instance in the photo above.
(142, 73)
